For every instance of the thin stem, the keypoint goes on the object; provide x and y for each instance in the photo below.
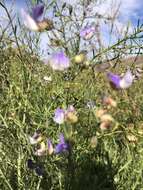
(6, 181)
(13, 28)
(118, 43)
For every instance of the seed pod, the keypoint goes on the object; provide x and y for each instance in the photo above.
(45, 24)
(71, 117)
(109, 101)
(106, 118)
(105, 125)
(80, 58)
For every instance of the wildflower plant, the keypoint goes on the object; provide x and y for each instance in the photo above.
(62, 146)
(62, 125)
(118, 82)
(59, 61)
(33, 21)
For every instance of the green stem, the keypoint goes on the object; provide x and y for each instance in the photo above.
(118, 43)
(71, 170)
(6, 181)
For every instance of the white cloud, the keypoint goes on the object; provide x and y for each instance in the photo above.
(129, 7)
(127, 13)
(71, 2)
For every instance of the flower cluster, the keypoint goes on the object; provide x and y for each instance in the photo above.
(106, 120)
(44, 148)
(39, 170)
(68, 115)
(62, 146)
(61, 61)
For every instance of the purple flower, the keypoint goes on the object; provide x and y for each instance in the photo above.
(68, 115)
(31, 21)
(59, 61)
(118, 82)
(30, 164)
(127, 80)
(37, 11)
(87, 32)
(59, 116)
(114, 79)
(62, 146)
(39, 170)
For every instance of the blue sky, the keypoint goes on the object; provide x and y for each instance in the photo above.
(19, 3)
(131, 9)
(130, 12)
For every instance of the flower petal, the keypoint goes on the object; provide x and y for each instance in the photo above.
(71, 108)
(50, 147)
(114, 79)
(58, 148)
(37, 11)
(59, 116)
(109, 101)
(29, 22)
(62, 146)
(127, 80)
(62, 139)
(59, 61)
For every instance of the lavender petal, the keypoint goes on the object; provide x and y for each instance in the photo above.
(37, 11)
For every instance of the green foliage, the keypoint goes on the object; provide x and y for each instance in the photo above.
(28, 102)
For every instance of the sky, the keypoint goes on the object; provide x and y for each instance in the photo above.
(130, 9)
(130, 12)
